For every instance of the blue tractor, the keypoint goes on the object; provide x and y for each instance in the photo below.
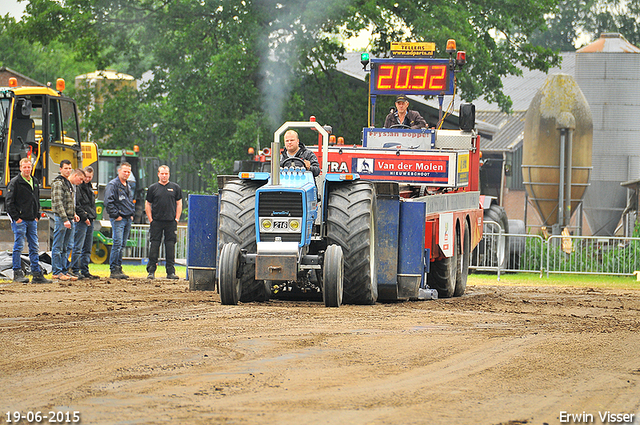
(282, 232)
(392, 219)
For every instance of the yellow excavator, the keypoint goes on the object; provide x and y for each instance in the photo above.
(40, 123)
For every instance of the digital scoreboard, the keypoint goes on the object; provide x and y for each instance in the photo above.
(395, 76)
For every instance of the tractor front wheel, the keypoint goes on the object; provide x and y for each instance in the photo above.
(333, 276)
(237, 225)
(228, 280)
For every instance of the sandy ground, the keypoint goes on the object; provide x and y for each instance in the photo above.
(134, 352)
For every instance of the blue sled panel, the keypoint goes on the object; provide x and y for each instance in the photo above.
(387, 247)
(202, 231)
(411, 249)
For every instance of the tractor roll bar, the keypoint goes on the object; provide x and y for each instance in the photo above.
(275, 147)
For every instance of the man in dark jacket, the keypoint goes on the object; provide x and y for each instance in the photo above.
(118, 202)
(83, 229)
(23, 206)
(295, 149)
(403, 117)
(63, 207)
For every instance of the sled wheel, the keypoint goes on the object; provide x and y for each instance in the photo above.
(333, 276)
(463, 262)
(499, 245)
(443, 274)
(229, 282)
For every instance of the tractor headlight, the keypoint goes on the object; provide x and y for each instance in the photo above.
(294, 224)
(266, 223)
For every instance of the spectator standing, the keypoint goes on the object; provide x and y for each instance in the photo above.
(63, 206)
(163, 206)
(83, 230)
(118, 201)
(23, 207)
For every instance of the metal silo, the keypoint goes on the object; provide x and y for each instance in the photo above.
(608, 72)
(556, 151)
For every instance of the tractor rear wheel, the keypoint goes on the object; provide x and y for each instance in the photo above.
(351, 218)
(332, 281)
(443, 274)
(228, 281)
(237, 225)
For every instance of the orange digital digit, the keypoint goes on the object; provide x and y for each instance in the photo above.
(403, 73)
(385, 80)
(406, 76)
(420, 77)
(437, 77)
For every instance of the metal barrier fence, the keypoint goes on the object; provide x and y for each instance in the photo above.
(592, 255)
(140, 249)
(507, 252)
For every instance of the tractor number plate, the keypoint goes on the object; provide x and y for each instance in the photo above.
(281, 224)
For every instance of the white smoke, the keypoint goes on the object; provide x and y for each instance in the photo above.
(277, 71)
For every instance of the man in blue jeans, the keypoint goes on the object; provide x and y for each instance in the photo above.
(23, 206)
(118, 202)
(83, 229)
(63, 206)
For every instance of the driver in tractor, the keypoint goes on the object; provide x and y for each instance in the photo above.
(295, 149)
(402, 117)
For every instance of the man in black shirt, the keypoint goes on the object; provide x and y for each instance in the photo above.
(163, 207)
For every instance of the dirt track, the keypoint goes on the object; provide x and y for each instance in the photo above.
(133, 352)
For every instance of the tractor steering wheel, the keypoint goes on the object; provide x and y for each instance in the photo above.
(294, 159)
(400, 126)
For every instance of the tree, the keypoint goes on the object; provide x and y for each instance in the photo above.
(564, 25)
(43, 63)
(574, 20)
(227, 73)
(621, 16)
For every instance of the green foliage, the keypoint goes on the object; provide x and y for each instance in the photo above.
(585, 20)
(227, 73)
(43, 63)
(534, 255)
(111, 114)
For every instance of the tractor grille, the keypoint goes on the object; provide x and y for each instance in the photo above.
(280, 204)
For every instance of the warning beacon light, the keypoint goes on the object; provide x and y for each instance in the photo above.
(364, 60)
(461, 58)
(451, 46)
